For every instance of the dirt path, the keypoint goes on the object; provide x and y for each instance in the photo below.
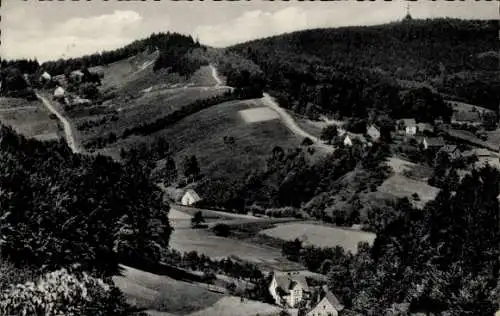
(68, 131)
(216, 76)
(290, 123)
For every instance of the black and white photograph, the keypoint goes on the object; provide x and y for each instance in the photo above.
(249, 158)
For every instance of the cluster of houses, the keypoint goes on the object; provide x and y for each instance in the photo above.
(291, 289)
(61, 81)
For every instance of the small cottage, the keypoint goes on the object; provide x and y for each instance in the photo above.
(59, 93)
(409, 126)
(374, 132)
(45, 77)
(289, 289)
(347, 141)
(77, 75)
(190, 197)
(433, 142)
(329, 305)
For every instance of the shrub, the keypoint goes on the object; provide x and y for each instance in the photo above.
(64, 293)
(222, 230)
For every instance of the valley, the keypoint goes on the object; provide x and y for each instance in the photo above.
(196, 179)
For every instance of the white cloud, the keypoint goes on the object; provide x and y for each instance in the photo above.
(70, 38)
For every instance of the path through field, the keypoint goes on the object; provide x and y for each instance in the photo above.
(290, 123)
(216, 76)
(68, 131)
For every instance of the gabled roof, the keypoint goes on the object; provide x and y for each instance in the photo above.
(288, 282)
(408, 122)
(425, 127)
(435, 141)
(334, 301)
(59, 91)
(193, 194)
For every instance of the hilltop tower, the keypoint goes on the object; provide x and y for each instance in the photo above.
(408, 15)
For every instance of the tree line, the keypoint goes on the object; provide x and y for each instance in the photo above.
(443, 259)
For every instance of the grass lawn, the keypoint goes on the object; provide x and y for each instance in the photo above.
(202, 134)
(164, 294)
(29, 118)
(401, 186)
(321, 235)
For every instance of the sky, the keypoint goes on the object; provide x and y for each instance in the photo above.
(49, 30)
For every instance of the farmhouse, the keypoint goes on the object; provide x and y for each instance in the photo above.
(190, 197)
(347, 141)
(374, 132)
(452, 151)
(409, 126)
(77, 75)
(59, 93)
(289, 289)
(432, 142)
(329, 305)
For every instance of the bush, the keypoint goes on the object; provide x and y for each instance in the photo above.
(64, 293)
(222, 230)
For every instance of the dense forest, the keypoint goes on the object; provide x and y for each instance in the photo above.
(324, 68)
(59, 208)
(442, 260)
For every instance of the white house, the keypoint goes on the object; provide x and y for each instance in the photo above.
(347, 141)
(410, 126)
(59, 93)
(45, 77)
(329, 305)
(190, 197)
(289, 288)
(374, 132)
(77, 75)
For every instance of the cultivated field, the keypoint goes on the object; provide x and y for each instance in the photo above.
(186, 239)
(401, 186)
(29, 118)
(321, 235)
(261, 114)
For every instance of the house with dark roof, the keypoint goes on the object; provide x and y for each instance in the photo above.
(432, 142)
(452, 151)
(289, 289)
(329, 305)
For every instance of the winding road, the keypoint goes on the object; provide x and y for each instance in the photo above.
(290, 123)
(68, 131)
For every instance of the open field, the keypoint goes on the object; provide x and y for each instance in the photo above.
(409, 169)
(470, 138)
(465, 107)
(164, 294)
(258, 115)
(401, 186)
(202, 134)
(231, 306)
(186, 239)
(321, 235)
(29, 118)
